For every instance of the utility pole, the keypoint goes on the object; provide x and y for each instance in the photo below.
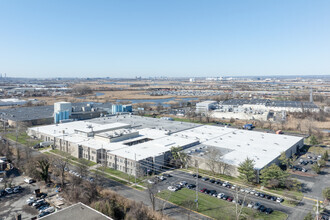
(317, 209)
(135, 167)
(196, 163)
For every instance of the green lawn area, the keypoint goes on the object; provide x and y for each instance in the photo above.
(214, 207)
(74, 159)
(118, 174)
(286, 193)
(22, 138)
(110, 177)
(318, 150)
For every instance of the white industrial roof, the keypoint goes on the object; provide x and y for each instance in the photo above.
(236, 144)
(262, 147)
(152, 148)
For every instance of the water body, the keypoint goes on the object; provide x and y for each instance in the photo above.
(96, 94)
(157, 101)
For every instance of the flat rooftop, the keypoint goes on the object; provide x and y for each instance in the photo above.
(153, 148)
(238, 144)
(78, 211)
(235, 144)
(139, 122)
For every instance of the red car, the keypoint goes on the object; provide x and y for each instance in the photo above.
(230, 199)
(203, 190)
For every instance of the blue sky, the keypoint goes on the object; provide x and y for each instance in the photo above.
(76, 38)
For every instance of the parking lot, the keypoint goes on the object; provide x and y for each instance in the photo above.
(26, 201)
(223, 190)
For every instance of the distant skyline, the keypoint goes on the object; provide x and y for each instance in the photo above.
(185, 38)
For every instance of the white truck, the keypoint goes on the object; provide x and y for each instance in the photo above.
(43, 144)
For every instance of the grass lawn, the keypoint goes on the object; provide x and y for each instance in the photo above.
(110, 177)
(22, 138)
(214, 207)
(118, 174)
(318, 150)
(286, 193)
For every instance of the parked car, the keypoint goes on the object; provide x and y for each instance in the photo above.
(268, 211)
(256, 205)
(191, 186)
(279, 200)
(273, 198)
(29, 200)
(250, 205)
(225, 197)
(2, 192)
(203, 190)
(262, 208)
(218, 182)
(213, 193)
(50, 209)
(195, 175)
(43, 214)
(183, 183)
(151, 181)
(9, 191)
(172, 188)
(220, 195)
(205, 178)
(230, 199)
(162, 178)
(212, 180)
(167, 175)
(28, 180)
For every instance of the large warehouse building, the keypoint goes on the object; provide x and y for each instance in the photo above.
(134, 144)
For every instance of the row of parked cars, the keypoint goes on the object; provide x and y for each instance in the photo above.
(214, 193)
(72, 172)
(243, 190)
(41, 205)
(157, 179)
(11, 190)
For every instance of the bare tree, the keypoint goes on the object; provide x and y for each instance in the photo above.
(60, 166)
(239, 204)
(152, 191)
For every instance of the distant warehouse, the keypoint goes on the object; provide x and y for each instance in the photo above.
(137, 145)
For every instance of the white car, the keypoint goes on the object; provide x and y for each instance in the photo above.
(253, 192)
(9, 190)
(29, 200)
(233, 186)
(242, 190)
(250, 205)
(220, 195)
(28, 180)
(172, 188)
(183, 183)
(49, 209)
(162, 178)
(151, 181)
(279, 200)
